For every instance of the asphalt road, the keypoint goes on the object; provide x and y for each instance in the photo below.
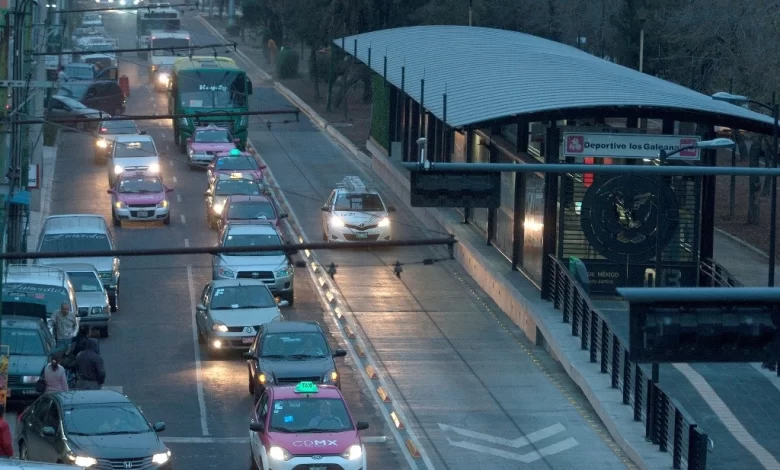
(151, 352)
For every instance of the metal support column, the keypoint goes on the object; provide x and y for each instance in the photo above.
(707, 216)
(551, 183)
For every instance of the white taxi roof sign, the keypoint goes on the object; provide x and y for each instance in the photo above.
(133, 145)
(236, 176)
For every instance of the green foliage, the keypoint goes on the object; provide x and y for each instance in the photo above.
(49, 134)
(287, 63)
(380, 111)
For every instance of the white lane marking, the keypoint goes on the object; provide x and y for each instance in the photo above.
(186, 243)
(525, 458)
(516, 443)
(730, 421)
(178, 198)
(175, 180)
(184, 221)
(245, 440)
(204, 425)
(162, 134)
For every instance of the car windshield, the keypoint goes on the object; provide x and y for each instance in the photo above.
(309, 415)
(85, 281)
(242, 297)
(254, 210)
(23, 341)
(144, 148)
(236, 163)
(237, 187)
(215, 89)
(73, 104)
(103, 419)
(359, 202)
(79, 72)
(118, 127)
(295, 344)
(218, 136)
(254, 240)
(60, 242)
(50, 296)
(140, 185)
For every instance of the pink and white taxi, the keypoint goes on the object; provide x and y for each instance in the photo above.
(305, 426)
(208, 141)
(140, 197)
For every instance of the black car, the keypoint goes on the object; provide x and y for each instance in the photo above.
(30, 344)
(103, 95)
(287, 353)
(100, 428)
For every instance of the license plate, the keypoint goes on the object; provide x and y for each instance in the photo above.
(317, 467)
(361, 235)
(247, 340)
(143, 214)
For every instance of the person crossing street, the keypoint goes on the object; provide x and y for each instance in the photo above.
(64, 325)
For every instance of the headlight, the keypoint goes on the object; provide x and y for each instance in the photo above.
(80, 461)
(384, 222)
(163, 78)
(226, 273)
(120, 205)
(217, 208)
(30, 379)
(262, 378)
(219, 326)
(118, 169)
(336, 222)
(102, 143)
(154, 168)
(354, 452)
(96, 310)
(331, 377)
(160, 459)
(284, 272)
(277, 453)
(162, 204)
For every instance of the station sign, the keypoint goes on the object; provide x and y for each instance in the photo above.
(431, 188)
(644, 146)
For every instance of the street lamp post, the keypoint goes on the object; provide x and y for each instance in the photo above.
(739, 99)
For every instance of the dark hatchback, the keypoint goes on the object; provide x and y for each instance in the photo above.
(103, 95)
(99, 429)
(287, 353)
(30, 344)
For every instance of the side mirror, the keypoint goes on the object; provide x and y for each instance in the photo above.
(390, 209)
(282, 216)
(141, 132)
(189, 141)
(256, 427)
(159, 426)
(111, 191)
(168, 190)
(248, 86)
(48, 431)
(248, 355)
(263, 167)
(237, 142)
(200, 308)
(283, 303)
(362, 425)
(339, 353)
(325, 209)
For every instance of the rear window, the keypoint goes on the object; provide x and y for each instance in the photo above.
(23, 342)
(255, 210)
(61, 242)
(118, 127)
(143, 148)
(85, 281)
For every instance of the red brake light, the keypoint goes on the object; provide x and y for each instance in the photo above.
(103, 129)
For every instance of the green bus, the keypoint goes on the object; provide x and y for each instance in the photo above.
(202, 85)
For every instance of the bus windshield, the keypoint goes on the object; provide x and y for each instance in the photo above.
(215, 89)
(172, 43)
(165, 24)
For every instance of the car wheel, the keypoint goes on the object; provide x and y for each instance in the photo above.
(251, 384)
(23, 451)
(289, 297)
(201, 338)
(113, 300)
(182, 145)
(167, 219)
(103, 332)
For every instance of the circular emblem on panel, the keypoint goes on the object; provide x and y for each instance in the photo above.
(620, 217)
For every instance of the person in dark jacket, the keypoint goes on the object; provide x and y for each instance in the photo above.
(6, 441)
(80, 341)
(90, 370)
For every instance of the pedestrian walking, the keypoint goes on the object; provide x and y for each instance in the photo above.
(64, 325)
(54, 376)
(61, 76)
(90, 370)
(80, 341)
(6, 441)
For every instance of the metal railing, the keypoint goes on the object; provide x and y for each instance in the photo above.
(668, 426)
(713, 274)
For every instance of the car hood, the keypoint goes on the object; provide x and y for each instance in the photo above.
(321, 443)
(26, 365)
(102, 264)
(211, 147)
(259, 262)
(357, 218)
(246, 316)
(91, 112)
(121, 446)
(145, 198)
(284, 369)
(91, 299)
(130, 162)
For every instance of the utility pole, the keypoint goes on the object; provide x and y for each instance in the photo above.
(231, 13)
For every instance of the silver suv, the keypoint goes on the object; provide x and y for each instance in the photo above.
(274, 268)
(82, 233)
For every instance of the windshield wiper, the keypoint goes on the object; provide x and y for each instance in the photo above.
(313, 430)
(305, 356)
(281, 429)
(114, 433)
(257, 306)
(273, 356)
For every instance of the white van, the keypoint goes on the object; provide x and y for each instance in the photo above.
(34, 284)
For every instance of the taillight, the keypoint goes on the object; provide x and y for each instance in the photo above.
(103, 129)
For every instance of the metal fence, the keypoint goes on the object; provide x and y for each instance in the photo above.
(666, 423)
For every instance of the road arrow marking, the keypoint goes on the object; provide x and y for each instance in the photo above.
(516, 443)
(525, 458)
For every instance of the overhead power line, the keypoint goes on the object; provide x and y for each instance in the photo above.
(153, 117)
(234, 45)
(288, 248)
(143, 7)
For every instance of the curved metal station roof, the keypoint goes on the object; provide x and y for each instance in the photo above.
(492, 74)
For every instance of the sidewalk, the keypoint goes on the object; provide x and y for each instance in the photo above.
(47, 178)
